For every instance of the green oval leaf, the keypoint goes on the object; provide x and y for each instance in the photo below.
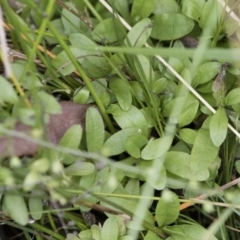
(122, 91)
(17, 208)
(169, 26)
(211, 16)
(205, 87)
(108, 31)
(197, 232)
(218, 127)
(96, 232)
(131, 118)
(95, 132)
(141, 9)
(144, 69)
(175, 182)
(116, 143)
(203, 153)
(81, 95)
(193, 8)
(188, 114)
(86, 235)
(96, 66)
(229, 26)
(237, 165)
(188, 135)
(139, 34)
(35, 207)
(134, 143)
(40, 165)
(159, 85)
(63, 64)
(133, 187)
(7, 93)
(129, 238)
(176, 64)
(156, 148)
(31, 180)
(71, 139)
(31, 79)
(79, 40)
(174, 107)
(167, 209)
(71, 22)
(233, 97)
(165, 6)
(154, 174)
(178, 163)
(79, 169)
(178, 106)
(130, 206)
(149, 236)
(49, 103)
(110, 229)
(206, 72)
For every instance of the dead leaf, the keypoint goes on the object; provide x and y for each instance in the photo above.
(72, 113)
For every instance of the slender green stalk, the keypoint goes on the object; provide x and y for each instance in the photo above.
(221, 54)
(47, 231)
(40, 35)
(92, 9)
(51, 221)
(27, 236)
(218, 224)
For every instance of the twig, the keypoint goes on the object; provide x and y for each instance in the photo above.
(4, 48)
(214, 192)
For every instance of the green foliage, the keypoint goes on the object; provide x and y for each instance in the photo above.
(94, 130)
(178, 163)
(115, 144)
(188, 232)
(163, 140)
(7, 92)
(169, 26)
(79, 169)
(122, 91)
(105, 31)
(130, 207)
(233, 97)
(139, 34)
(218, 127)
(156, 148)
(206, 72)
(203, 153)
(141, 9)
(49, 103)
(193, 8)
(16, 208)
(167, 209)
(110, 229)
(35, 207)
(71, 139)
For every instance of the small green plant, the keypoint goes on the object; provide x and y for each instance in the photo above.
(117, 132)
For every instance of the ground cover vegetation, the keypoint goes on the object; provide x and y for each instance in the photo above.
(120, 119)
